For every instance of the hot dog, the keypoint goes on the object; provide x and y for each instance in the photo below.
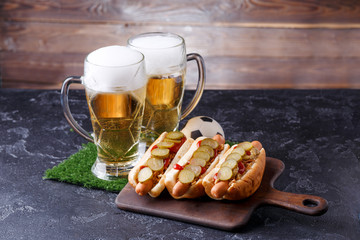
(238, 173)
(184, 180)
(148, 176)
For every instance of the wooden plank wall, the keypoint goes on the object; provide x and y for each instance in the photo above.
(245, 43)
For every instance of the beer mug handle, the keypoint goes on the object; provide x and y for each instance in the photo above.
(65, 105)
(200, 85)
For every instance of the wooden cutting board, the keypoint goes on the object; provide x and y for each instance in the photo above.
(225, 215)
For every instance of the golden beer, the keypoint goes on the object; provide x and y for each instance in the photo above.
(116, 118)
(165, 60)
(115, 86)
(163, 104)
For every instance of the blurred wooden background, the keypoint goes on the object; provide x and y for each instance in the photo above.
(245, 43)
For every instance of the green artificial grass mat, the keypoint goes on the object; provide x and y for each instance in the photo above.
(77, 170)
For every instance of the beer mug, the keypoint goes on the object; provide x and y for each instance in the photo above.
(115, 86)
(165, 60)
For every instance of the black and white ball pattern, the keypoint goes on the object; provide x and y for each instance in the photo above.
(202, 126)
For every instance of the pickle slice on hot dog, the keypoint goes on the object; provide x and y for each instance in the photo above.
(184, 180)
(234, 177)
(148, 176)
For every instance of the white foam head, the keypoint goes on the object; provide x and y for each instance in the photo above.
(165, 53)
(114, 68)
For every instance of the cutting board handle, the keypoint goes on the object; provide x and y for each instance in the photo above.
(302, 203)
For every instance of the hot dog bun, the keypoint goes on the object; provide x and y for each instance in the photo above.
(242, 186)
(156, 187)
(194, 189)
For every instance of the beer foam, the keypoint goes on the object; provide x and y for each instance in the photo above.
(164, 53)
(156, 42)
(114, 68)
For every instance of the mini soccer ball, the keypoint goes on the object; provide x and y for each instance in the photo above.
(202, 126)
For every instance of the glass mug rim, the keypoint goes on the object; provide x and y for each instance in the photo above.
(164, 34)
(87, 61)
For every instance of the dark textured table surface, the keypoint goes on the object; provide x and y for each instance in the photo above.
(316, 133)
